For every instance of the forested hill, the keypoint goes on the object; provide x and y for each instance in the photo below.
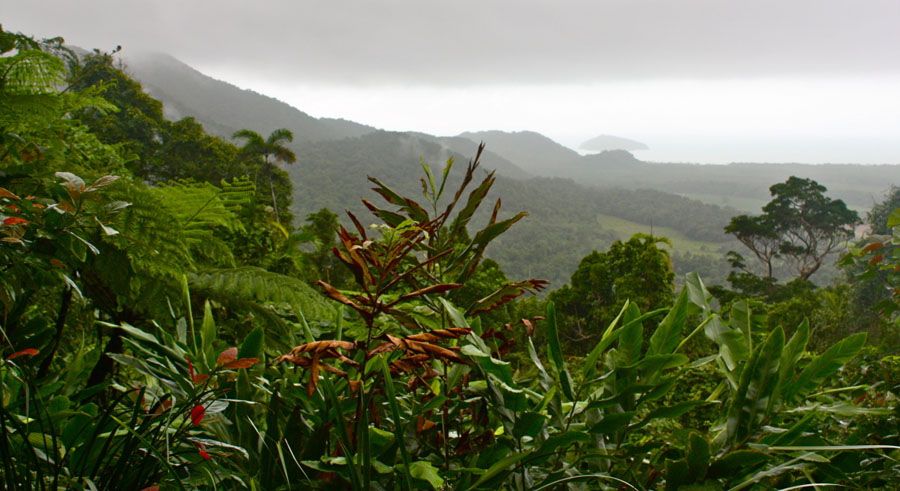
(616, 195)
(741, 185)
(532, 151)
(223, 108)
(566, 220)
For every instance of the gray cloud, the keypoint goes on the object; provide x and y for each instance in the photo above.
(465, 42)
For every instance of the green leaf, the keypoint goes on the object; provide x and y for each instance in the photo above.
(793, 350)
(498, 468)
(631, 340)
(733, 346)
(825, 365)
(208, 333)
(423, 470)
(758, 381)
(252, 347)
(697, 292)
(894, 218)
(667, 335)
(553, 346)
(498, 368)
(528, 424)
(398, 420)
(697, 456)
(736, 462)
(742, 319)
(473, 201)
(612, 422)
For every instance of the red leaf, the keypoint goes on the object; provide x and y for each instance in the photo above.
(227, 356)
(874, 246)
(242, 363)
(24, 352)
(14, 221)
(196, 378)
(151, 488)
(197, 414)
(201, 449)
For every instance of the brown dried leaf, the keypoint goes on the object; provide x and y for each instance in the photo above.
(5, 193)
(319, 346)
(439, 334)
(313, 376)
(338, 296)
(441, 288)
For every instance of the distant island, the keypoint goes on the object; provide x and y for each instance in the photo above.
(610, 142)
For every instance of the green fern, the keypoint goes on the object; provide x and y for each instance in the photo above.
(251, 285)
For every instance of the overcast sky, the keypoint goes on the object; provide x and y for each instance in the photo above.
(697, 80)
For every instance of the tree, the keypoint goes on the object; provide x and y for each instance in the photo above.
(800, 225)
(637, 270)
(271, 150)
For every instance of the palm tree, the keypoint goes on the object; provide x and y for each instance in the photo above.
(271, 150)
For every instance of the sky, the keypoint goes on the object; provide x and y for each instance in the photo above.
(696, 80)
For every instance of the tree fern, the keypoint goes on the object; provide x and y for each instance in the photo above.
(255, 285)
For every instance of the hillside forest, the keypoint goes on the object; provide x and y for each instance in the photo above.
(188, 301)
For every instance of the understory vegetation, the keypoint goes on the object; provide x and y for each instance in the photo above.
(166, 323)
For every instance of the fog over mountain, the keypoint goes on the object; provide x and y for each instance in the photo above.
(808, 81)
(610, 142)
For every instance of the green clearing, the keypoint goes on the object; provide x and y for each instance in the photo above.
(626, 228)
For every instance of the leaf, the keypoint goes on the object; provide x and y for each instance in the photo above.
(742, 319)
(758, 381)
(489, 233)
(227, 356)
(733, 346)
(697, 456)
(528, 424)
(101, 182)
(338, 296)
(476, 196)
(553, 346)
(793, 350)
(73, 183)
(6, 193)
(825, 365)
(697, 292)
(736, 462)
(423, 470)
(107, 230)
(667, 335)
(498, 368)
(242, 363)
(207, 330)
(565, 379)
(611, 423)
(252, 347)
(24, 352)
(499, 467)
(441, 288)
(505, 294)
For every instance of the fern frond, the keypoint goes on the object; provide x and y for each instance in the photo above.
(255, 285)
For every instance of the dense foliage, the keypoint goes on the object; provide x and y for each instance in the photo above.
(165, 326)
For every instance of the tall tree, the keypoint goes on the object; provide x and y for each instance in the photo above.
(271, 150)
(638, 270)
(800, 225)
